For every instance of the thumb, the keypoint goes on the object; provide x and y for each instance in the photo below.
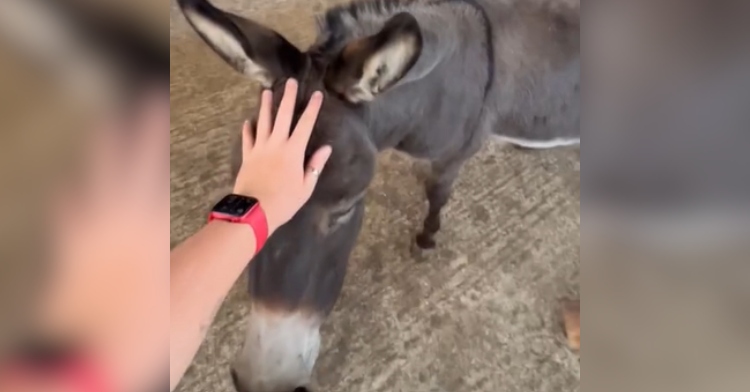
(316, 165)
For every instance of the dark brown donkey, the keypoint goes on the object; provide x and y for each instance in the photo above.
(431, 78)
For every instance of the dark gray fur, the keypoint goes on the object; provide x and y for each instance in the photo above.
(439, 111)
(508, 68)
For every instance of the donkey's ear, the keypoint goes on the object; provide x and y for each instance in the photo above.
(369, 66)
(250, 48)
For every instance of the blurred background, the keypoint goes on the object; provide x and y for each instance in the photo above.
(65, 65)
(666, 196)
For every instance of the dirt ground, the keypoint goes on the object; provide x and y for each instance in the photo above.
(479, 314)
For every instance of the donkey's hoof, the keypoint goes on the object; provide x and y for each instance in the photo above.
(420, 254)
(425, 241)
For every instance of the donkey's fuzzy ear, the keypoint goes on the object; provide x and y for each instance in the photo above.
(250, 48)
(368, 66)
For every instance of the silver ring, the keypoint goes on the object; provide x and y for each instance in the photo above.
(314, 171)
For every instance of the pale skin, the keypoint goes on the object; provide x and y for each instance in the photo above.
(111, 292)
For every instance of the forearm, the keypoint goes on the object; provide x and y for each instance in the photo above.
(203, 270)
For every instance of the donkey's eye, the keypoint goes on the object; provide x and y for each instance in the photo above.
(380, 71)
(341, 216)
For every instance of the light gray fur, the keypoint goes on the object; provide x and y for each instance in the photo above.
(279, 351)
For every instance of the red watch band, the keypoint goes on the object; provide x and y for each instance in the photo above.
(255, 218)
(78, 374)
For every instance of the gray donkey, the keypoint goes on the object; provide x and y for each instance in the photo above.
(433, 79)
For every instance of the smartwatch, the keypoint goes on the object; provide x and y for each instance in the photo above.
(35, 360)
(244, 210)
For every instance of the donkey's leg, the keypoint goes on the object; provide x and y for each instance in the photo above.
(439, 188)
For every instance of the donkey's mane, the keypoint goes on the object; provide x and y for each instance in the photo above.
(334, 17)
(336, 23)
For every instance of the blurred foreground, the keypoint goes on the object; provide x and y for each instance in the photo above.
(69, 70)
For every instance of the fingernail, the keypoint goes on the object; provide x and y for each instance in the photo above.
(317, 95)
(291, 83)
(328, 149)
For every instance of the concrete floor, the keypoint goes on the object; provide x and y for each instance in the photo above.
(479, 314)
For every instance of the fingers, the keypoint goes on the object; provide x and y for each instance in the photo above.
(286, 112)
(302, 132)
(263, 129)
(316, 165)
(247, 136)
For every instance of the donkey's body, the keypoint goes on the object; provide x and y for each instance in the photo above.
(432, 78)
(501, 68)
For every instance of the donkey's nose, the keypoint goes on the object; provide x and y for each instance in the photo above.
(239, 388)
(236, 382)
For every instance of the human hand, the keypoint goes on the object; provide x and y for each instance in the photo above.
(272, 168)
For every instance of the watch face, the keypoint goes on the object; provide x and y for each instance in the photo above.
(235, 205)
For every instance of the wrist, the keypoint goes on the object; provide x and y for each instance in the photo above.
(270, 218)
(268, 208)
(46, 363)
(247, 212)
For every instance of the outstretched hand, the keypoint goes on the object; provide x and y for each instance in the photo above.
(273, 168)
